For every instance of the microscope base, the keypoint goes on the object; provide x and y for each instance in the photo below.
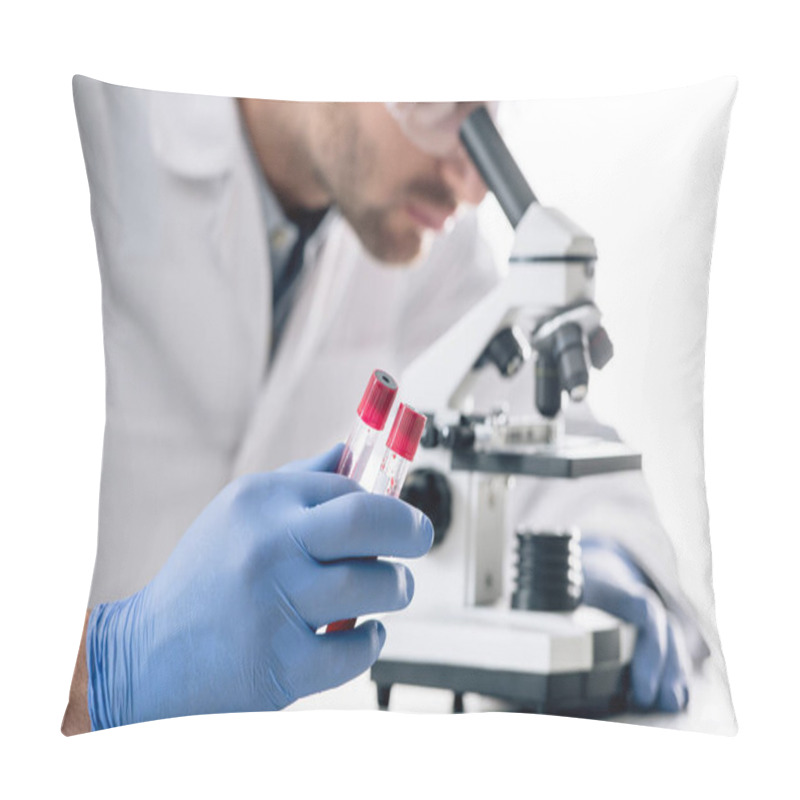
(599, 692)
(565, 663)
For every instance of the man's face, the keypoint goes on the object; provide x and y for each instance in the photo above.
(394, 195)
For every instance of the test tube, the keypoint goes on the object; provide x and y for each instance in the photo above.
(373, 411)
(401, 446)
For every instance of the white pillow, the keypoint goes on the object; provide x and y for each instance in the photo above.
(641, 174)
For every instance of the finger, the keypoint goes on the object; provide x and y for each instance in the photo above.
(359, 524)
(650, 652)
(632, 603)
(350, 589)
(612, 585)
(258, 495)
(345, 655)
(673, 694)
(616, 594)
(326, 462)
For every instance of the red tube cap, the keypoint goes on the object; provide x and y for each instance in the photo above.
(378, 398)
(406, 432)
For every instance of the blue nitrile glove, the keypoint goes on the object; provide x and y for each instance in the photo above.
(229, 622)
(613, 583)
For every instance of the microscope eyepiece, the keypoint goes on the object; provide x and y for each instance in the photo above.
(496, 165)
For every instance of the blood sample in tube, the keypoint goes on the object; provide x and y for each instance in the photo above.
(372, 413)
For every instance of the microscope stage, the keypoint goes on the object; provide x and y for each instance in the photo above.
(572, 457)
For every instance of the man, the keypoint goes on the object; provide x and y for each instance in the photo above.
(251, 257)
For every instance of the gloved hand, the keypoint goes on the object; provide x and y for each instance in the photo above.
(659, 670)
(229, 622)
(433, 127)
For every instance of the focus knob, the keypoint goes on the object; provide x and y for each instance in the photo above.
(429, 491)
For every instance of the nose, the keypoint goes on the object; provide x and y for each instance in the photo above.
(462, 176)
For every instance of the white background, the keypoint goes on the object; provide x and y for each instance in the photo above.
(52, 396)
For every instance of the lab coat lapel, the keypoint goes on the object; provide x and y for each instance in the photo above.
(329, 266)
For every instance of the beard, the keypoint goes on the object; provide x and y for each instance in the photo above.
(388, 233)
(388, 237)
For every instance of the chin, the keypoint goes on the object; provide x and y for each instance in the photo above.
(399, 250)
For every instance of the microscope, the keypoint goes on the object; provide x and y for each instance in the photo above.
(479, 624)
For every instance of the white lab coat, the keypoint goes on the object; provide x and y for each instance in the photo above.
(192, 400)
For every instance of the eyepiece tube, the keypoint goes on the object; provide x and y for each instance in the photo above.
(496, 165)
